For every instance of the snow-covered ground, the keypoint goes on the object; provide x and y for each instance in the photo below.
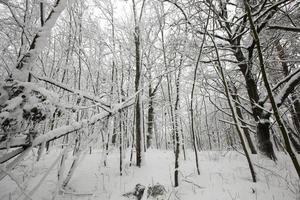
(224, 176)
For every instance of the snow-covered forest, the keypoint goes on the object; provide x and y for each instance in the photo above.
(150, 99)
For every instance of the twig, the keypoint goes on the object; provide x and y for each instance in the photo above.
(191, 182)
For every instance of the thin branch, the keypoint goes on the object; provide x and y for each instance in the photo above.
(284, 28)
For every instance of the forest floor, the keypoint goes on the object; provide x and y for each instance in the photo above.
(224, 176)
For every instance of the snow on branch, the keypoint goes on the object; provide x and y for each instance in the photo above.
(14, 142)
(61, 131)
(75, 126)
(284, 80)
(58, 132)
(287, 89)
(10, 155)
(40, 38)
(85, 95)
(285, 28)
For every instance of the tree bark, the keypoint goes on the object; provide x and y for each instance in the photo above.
(240, 115)
(270, 94)
(176, 131)
(138, 117)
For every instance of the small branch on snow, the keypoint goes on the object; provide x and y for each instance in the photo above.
(77, 194)
(198, 186)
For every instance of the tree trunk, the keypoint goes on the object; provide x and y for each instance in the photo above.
(240, 115)
(138, 119)
(234, 113)
(176, 131)
(262, 130)
(270, 94)
(150, 118)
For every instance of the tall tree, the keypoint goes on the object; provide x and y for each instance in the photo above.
(138, 71)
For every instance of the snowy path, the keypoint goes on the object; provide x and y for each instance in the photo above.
(224, 176)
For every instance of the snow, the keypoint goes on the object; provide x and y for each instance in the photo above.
(13, 103)
(80, 93)
(224, 176)
(74, 126)
(264, 121)
(15, 141)
(40, 40)
(292, 83)
(57, 133)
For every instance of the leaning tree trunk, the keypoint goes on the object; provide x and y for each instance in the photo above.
(240, 115)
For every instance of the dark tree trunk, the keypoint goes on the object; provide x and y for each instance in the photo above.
(176, 131)
(262, 129)
(263, 137)
(138, 119)
(150, 118)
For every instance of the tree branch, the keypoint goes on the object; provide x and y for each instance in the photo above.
(284, 28)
